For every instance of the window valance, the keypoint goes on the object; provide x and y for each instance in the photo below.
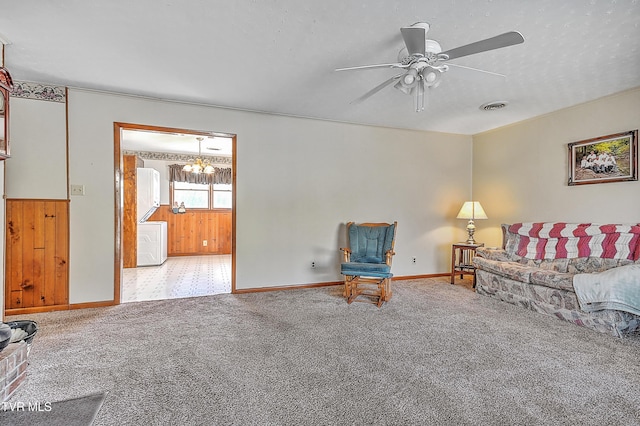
(219, 176)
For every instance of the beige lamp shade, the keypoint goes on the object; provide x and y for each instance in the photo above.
(472, 210)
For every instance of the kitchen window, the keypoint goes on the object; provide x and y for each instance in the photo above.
(202, 195)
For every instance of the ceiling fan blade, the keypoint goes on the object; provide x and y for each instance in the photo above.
(378, 88)
(414, 39)
(497, 42)
(477, 69)
(364, 67)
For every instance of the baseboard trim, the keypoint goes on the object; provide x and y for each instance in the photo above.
(287, 287)
(330, 283)
(207, 253)
(417, 277)
(86, 305)
(105, 303)
(35, 310)
(53, 308)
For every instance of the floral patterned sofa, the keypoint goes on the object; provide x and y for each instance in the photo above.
(535, 269)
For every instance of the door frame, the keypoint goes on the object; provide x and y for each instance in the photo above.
(118, 127)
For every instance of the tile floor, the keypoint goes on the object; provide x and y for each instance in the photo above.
(183, 276)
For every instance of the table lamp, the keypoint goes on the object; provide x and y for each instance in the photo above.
(471, 210)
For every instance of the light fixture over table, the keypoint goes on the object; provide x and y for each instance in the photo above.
(199, 165)
(471, 210)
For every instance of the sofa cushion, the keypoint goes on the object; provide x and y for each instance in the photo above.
(557, 265)
(513, 270)
(594, 264)
(492, 253)
(553, 279)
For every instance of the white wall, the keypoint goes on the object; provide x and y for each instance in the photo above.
(520, 172)
(37, 167)
(298, 182)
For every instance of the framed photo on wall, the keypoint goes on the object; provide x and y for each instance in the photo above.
(612, 158)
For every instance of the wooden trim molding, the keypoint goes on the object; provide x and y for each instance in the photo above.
(87, 305)
(329, 283)
(286, 287)
(234, 163)
(71, 307)
(417, 277)
(35, 310)
(118, 173)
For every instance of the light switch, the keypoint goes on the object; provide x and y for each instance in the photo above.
(77, 189)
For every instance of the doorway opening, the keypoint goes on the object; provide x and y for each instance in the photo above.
(192, 218)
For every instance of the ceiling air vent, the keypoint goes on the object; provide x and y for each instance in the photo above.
(492, 106)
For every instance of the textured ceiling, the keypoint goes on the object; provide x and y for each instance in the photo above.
(163, 142)
(278, 56)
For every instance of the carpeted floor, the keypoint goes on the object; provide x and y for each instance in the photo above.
(72, 412)
(435, 354)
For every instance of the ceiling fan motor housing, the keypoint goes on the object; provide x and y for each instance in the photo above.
(420, 65)
(431, 53)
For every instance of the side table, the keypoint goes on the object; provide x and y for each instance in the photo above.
(462, 260)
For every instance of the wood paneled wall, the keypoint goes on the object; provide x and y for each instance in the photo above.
(187, 231)
(37, 254)
(130, 211)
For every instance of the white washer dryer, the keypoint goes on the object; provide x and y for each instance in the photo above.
(152, 243)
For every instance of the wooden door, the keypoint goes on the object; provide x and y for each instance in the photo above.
(37, 255)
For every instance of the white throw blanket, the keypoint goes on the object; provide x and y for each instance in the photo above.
(616, 288)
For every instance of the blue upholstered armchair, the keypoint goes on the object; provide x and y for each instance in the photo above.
(367, 261)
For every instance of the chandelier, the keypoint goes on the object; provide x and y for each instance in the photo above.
(198, 165)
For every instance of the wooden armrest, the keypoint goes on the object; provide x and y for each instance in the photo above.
(347, 254)
(389, 256)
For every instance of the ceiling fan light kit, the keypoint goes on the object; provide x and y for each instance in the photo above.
(422, 61)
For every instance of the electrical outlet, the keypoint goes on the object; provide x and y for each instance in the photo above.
(313, 264)
(77, 189)
(204, 243)
(413, 260)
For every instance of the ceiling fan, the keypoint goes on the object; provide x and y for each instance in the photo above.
(423, 62)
